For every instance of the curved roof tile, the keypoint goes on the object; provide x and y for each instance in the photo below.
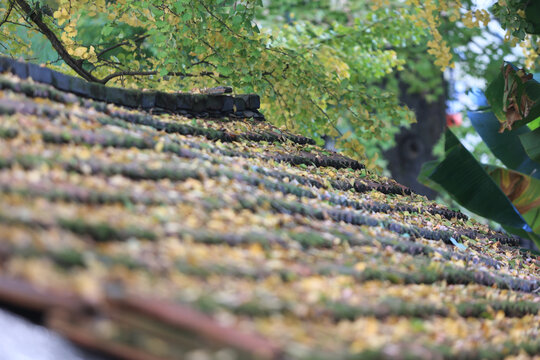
(155, 235)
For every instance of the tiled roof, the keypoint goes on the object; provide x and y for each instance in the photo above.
(166, 236)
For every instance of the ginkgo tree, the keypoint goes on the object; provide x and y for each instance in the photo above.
(311, 77)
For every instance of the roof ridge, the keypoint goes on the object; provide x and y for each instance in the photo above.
(201, 105)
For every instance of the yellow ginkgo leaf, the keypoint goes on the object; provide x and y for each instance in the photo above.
(159, 146)
(347, 135)
(80, 51)
(62, 15)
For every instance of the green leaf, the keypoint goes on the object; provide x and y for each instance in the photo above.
(531, 143)
(467, 182)
(186, 16)
(507, 146)
(494, 96)
(107, 30)
(180, 5)
(535, 124)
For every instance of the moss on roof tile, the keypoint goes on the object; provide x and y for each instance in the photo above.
(159, 235)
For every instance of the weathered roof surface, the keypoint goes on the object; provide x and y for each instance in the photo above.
(170, 237)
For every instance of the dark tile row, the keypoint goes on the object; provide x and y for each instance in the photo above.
(208, 105)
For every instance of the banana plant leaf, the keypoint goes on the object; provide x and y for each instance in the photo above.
(506, 146)
(522, 190)
(531, 143)
(468, 183)
(531, 14)
(535, 124)
(424, 176)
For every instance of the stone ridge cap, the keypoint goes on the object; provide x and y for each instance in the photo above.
(200, 105)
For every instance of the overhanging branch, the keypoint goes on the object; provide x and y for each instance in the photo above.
(149, 73)
(8, 13)
(55, 42)
(76, 64)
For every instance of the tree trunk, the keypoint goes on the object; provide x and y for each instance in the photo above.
(414, 146)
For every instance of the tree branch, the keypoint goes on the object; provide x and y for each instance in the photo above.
(219, 20)
(22, 25)
(57, 45)
(8, 13)
(326, 116)
(278, 95)
(120, 44)
(149, 73)
(76, 64)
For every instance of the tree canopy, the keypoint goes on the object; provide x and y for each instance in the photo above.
(319, 65)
